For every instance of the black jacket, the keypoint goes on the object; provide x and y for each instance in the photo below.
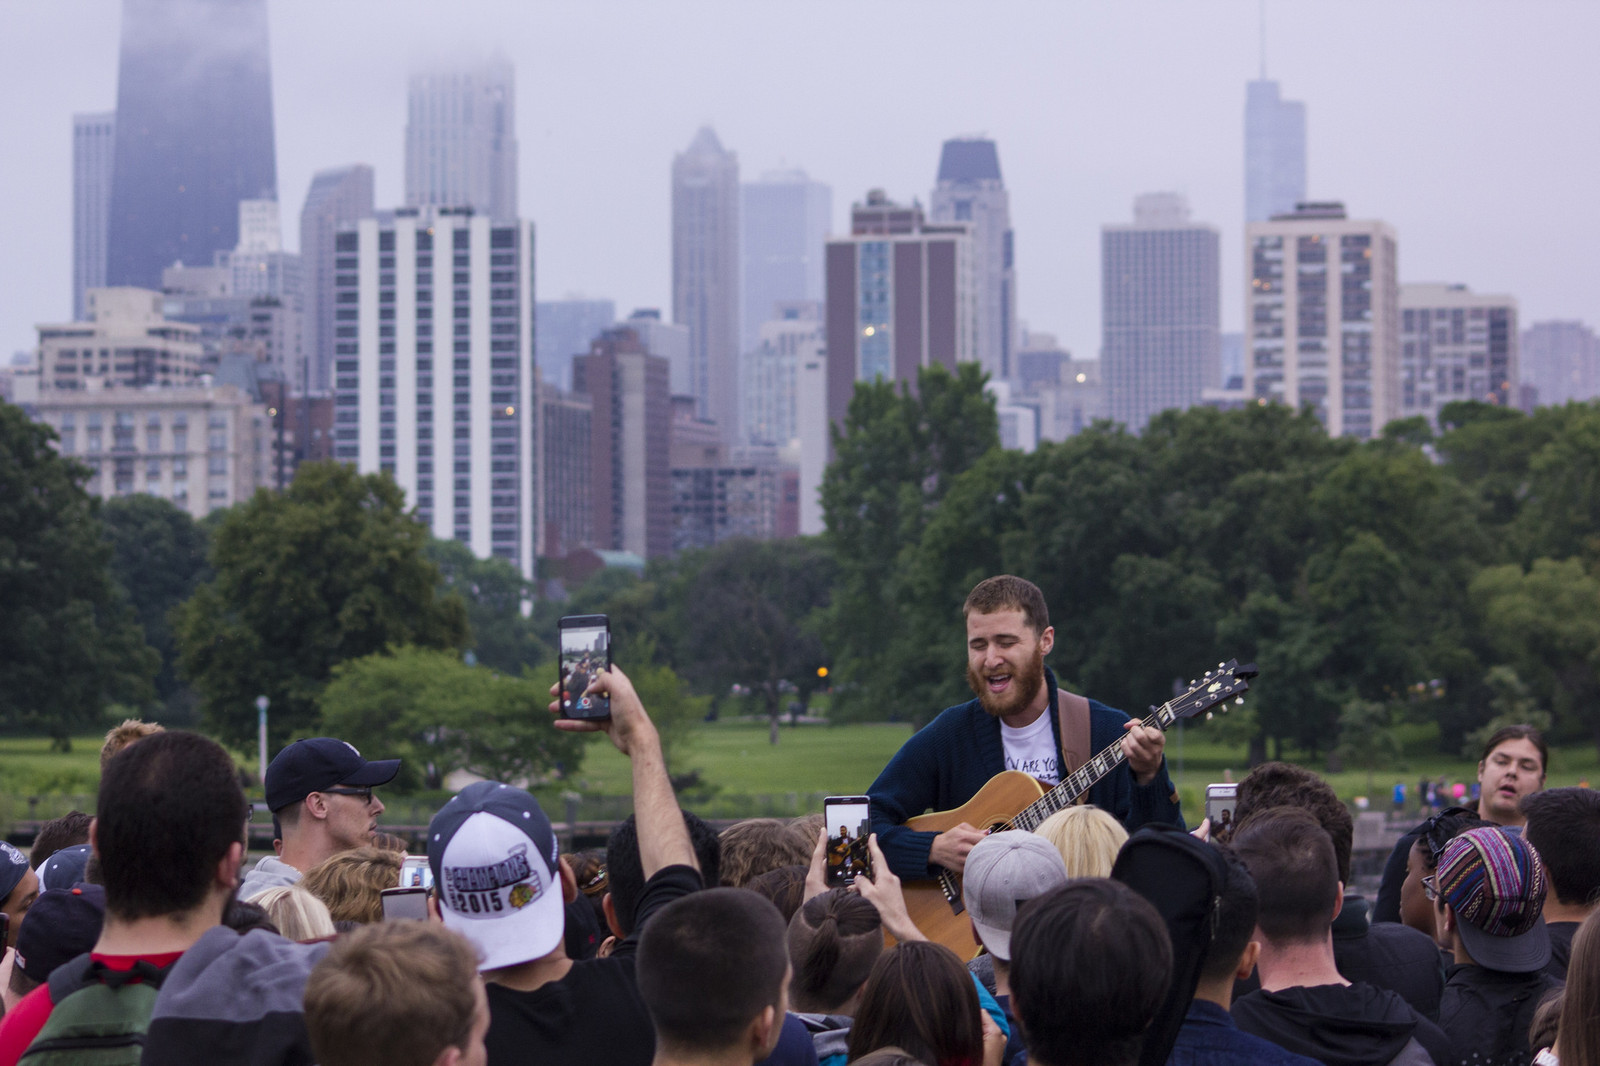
(1388, 955)
(1486, 1013)
(1343, 1025)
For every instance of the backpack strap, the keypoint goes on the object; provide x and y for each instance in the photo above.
(70, 976)
(1074, 714)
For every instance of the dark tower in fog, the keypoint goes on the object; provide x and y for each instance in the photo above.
(194, 133)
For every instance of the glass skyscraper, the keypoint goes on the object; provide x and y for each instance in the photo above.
(1274, 152)
(193, 135)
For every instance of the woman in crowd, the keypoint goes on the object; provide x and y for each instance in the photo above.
(1416, 910)
(1578, 1032)
(834, 940)
(1087, 838)
(297, 913)
(920, 998)
(350, 884)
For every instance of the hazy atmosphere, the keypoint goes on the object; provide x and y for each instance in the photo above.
(1468, 126)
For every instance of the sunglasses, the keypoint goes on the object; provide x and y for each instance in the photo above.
(362, 794)
(1432, 824)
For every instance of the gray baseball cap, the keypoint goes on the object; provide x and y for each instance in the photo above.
(1004, 871)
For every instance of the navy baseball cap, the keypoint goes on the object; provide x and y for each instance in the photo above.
(308, 766)
(62, 924)
(65, 868)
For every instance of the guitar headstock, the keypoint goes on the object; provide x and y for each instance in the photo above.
(1222, 686)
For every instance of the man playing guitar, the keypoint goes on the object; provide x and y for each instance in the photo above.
(1013, 724)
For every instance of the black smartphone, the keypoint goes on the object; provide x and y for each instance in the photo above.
(585, 642)
(1220, 801)
(407, 903)
(849, 821)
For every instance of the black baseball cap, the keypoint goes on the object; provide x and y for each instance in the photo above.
(62, 924)
(308, 766)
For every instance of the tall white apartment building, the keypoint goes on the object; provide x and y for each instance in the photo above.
(770, 378)
(1160, 309)
(461, 140)
(434, 372)
(94, 142)
(1322, 317)
(1455, 345)
(969, 190)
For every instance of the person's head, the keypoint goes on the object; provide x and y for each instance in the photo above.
(1004, 871)
(713, 969)
(1281, 784)
(1416, 909)
(62, 925)
(1513, 766)
(1233, 949)
(19, 887)
(920, 997)
(351, 883)
(1087, 838)
(625, 870)
(398, 994)
(169, 828)
(1488, 896)
(66, 867)
(833, 941)
(1100, 946)
(888, 1056)
(320, 792)
(70, 830)
(1008, 636)
(785, 887)
(756, 845)
(131, 731)
(1564, 828)
(499, 876)
(297, 913)
(1578, 1032)
(1290, 858)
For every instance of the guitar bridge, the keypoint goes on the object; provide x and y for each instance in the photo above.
(952, 891)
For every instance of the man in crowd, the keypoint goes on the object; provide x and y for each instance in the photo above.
(502, 884)
(1304, 1004)
(168, 834)
(1564, 828)
(1387, 955)
(398, 994)
(1512, 768)
(1015, 722)
(1208, 1036)
(1100, 946)
(1488, 892)
(19, 887)
(129, 732)
(320, 794)
(626, 877)
(714, 972)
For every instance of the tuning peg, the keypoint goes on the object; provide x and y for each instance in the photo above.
(1209, 716)
(1238, 701)
(1221, 665)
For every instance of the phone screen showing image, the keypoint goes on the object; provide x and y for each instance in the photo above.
(1220, 802)
(849, 821)
(585, 651)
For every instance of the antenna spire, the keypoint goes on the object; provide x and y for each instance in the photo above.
(1263, 40)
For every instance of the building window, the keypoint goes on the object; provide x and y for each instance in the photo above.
(217, 464)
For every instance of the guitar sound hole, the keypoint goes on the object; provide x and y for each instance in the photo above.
(998, 827)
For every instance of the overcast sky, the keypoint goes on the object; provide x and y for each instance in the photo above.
(1472, 127)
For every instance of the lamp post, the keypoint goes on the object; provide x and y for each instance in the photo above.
(262, 703)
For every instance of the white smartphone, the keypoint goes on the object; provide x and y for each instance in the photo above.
(849, 822)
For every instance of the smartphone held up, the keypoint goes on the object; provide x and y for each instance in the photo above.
(585, 643)
(849, 823)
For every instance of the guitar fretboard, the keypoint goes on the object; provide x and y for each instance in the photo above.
(1084, 777)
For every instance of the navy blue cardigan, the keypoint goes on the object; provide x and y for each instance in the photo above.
(945, 763)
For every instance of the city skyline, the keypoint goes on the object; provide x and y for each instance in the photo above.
(1166, 113)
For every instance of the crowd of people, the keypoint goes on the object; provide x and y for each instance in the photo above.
(140, 936)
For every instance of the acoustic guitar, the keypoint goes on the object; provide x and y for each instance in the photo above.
(1014, 800)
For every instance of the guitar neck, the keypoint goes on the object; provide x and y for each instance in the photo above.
(1084, 777)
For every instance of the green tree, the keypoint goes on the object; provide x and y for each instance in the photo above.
(158, 556)
(69, 642)
(1366, 736)
(747, 619)
(439, 715)
(330, 570)
(494, 594)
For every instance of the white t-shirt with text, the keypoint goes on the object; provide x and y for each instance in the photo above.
(1032, 749)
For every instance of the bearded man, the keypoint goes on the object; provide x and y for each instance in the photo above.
(1013, 724)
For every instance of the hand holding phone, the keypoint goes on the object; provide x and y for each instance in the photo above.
(585, 650)
(848, 820)
(1220, 802)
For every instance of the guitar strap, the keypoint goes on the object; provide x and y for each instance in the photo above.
(1073, 711)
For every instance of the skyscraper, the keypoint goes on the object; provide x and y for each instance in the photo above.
(1159, 310)
(337, 196)
(434, 375)
(705, 274)
(93, 148)
(969, 190)
(461, 140)
(1455, 345)
(1322, 317)
(630, 482)
(900, 297)
(1274, 152)
(782, 228)
(1561, 361)
(564, 329)
(194, 133)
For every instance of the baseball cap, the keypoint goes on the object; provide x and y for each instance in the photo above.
(308, 766)
(1004, 871)
(13, 868)
(495, 868)
(62, 924)
(1494, 881)
(65, 868)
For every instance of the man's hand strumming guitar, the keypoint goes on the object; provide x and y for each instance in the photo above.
(951, 846)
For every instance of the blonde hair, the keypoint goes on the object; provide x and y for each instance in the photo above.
(297, 913)
(350, 883)
(130, 731)
(1087, 838)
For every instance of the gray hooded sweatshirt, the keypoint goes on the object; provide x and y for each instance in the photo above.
(270, 872)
